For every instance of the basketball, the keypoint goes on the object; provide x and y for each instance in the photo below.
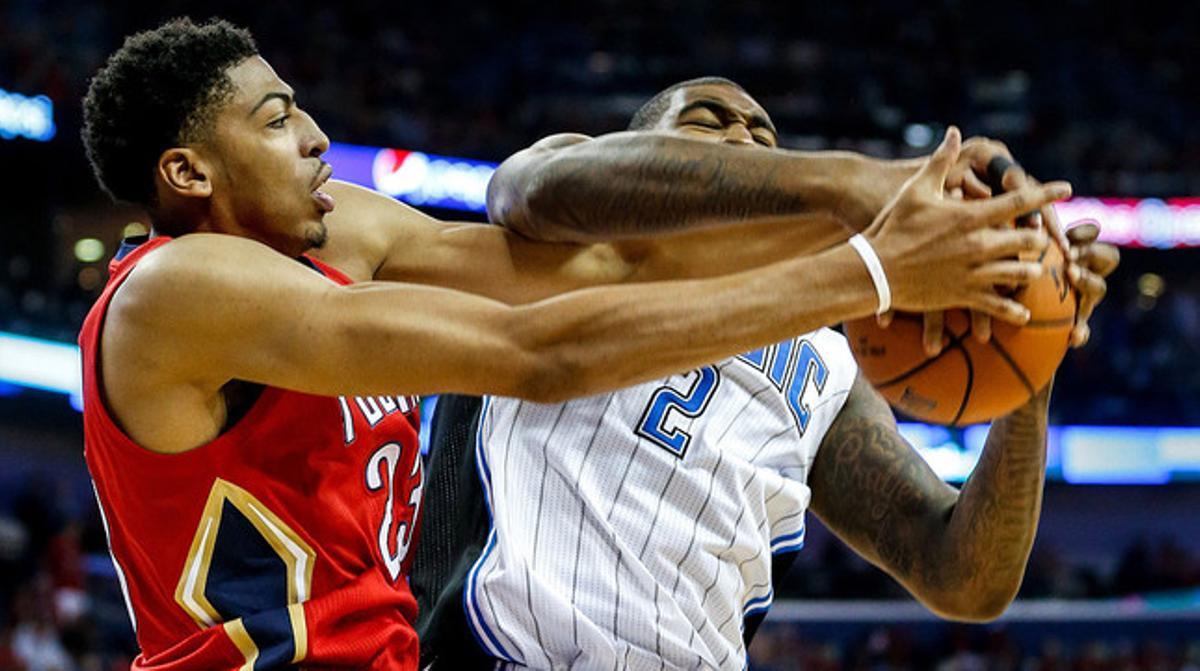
(969, 381)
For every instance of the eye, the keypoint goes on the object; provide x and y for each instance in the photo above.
(705, 123)
(280, 122)
(764, 140)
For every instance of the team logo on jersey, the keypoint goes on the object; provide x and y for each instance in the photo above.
(250, 571)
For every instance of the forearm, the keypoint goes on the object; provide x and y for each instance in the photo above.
(639, 184)
(615, 336)
(991, 528)
(722, 250)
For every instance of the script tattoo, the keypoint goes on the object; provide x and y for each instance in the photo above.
(961, 552)
(874, 491)
(670, 185)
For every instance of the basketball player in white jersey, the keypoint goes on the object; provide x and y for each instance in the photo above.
(644, 528)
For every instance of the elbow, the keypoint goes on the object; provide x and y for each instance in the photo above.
(974, 605)
(528, 200)
(550, 376)
(506, 202)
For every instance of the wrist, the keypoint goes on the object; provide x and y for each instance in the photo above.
(875, 269)
(868, 184)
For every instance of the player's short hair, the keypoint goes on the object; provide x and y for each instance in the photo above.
(649, 114)
(159, 90)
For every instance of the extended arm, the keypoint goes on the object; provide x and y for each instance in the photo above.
(637, 184)
(299, 331)
(373, 236)
(961, 553)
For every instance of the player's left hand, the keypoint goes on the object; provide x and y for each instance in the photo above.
(1090, 261)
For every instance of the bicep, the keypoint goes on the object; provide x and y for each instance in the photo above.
(872, 489)
(499, 263)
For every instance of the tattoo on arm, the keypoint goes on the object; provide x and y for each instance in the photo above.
(995, 520)
(964, 553)
(874, 491)
(638, 184)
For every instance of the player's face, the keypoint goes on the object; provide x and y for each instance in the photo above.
(267, 164)
(720, 113)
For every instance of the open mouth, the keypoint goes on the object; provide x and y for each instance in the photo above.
(324, 201)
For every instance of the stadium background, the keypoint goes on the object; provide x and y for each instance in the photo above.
(1104, 96)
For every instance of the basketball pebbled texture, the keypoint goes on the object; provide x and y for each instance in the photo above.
(971, 382)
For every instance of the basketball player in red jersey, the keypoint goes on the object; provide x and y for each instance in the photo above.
(258, 473)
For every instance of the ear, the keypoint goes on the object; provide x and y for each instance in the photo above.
(182, 171)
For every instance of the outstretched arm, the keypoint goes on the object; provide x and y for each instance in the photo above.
(961, 553)
(638, 184)
(376, 237)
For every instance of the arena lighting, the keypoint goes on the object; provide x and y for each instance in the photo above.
(1133, 222)
(1075, 454)
(40, 364)
(415, 177)
(25, 116)
(452, 183)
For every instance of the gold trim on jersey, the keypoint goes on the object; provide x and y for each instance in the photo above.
(237, 633)
(296, 554)
(299, 631)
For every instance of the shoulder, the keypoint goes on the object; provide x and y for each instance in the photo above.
(194, 263)
(191, 285)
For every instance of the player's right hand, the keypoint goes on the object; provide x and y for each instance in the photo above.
(941, 253)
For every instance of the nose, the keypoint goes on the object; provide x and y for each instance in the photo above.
(737, 133)
(316, 142)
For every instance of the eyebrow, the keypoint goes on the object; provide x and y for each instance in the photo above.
(722, 110)
(274, 95)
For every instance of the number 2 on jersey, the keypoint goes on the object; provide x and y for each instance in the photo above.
(691, 404)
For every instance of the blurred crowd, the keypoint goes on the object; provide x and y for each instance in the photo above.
(1160, 564)
(786, 647)
(61, 606)
(1089, 91)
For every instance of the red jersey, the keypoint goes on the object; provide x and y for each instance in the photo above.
(283, 541)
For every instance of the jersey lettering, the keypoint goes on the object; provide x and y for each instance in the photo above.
(373, 409)
(809, 368)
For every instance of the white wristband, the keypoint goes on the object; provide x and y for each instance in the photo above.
(871, 260)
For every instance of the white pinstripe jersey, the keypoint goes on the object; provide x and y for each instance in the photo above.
(636, 529)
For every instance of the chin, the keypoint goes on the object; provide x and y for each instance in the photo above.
(316, 236)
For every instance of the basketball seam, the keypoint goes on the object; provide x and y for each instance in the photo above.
(970, 383)
(954, 342)
(1013, 365)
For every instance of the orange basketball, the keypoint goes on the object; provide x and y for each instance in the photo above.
(971, 382)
